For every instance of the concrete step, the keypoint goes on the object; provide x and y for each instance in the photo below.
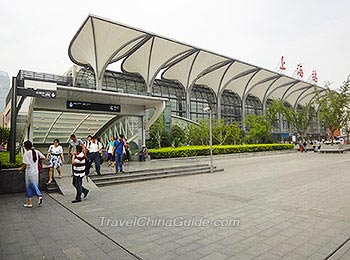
(149, 177)
(155, 172)
(66, 187)
(53, 188)
(157, 169)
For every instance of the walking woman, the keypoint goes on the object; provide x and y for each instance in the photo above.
(56, 158)
(110, 146)
(30, 164)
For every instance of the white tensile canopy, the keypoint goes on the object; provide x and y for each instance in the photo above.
(100, 42)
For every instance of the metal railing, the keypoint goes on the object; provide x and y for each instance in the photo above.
(39, 76)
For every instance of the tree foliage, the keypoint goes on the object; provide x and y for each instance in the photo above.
(334, 108)
(258, 129)
(236, 134)
(198, 134)
(223, 133)
(156, 133)
(177, 136)
(159, 137)
(299, 118)
(4, 135)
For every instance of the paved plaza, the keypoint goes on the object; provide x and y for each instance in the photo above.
(286, 206)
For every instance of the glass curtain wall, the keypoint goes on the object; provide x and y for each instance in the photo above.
(174, 92)
(253, 105)
(202, 97)
(231, 107)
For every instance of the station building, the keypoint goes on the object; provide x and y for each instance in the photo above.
(156, 75)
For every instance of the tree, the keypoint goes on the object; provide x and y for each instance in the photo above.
(221, 131)
(4, 135)
(272, 111)
(177, 135)
(198, 134)
(236, 134)
(299, 118)
(156, 133)
(334, 108)
(258, 129)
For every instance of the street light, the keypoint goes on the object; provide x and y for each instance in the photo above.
(208, 110)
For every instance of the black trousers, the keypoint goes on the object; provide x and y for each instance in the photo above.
(93, 158)
(78, 184)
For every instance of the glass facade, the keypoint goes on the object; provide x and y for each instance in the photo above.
(231, 105)
(253, 105)
(201, 97)
(174, 92)
(112, 81)
(49, 125)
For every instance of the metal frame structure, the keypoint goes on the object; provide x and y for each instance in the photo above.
(180, 62)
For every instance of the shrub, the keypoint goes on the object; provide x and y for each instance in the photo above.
(4, 135)
(187, 151)
(5, 161)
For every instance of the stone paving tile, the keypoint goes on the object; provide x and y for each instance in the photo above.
(283, 208)
(268, 256)
(214, 256)
(316, 256)
(49, 232)
(282, 249)
(285, 212)
(306, 250)
(258, 249)
(234, 249)
(242, 256)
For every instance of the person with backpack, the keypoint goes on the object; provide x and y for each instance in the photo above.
(94, 148)
(79, 162)
(118, 153)
(87, 144)
(31, 159)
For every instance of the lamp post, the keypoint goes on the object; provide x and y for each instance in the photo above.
(208, 110)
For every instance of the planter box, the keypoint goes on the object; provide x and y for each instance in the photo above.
(11, 181)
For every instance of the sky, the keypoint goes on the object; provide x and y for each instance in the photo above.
(35, 35)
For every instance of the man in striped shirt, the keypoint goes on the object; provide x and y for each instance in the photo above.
(79, 162)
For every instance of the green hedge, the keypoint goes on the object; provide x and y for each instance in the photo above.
(187, 151)
(5, 161)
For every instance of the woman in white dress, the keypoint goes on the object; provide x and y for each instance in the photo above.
(56, 159)
(30, 163)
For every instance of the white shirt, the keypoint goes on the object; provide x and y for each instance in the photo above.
(31, 166)
(55, 150)
(94, 147)
(110, 147)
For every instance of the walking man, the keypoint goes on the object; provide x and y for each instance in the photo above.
(95, 150)
(72, 144)
(118, 153)
(78, 162)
